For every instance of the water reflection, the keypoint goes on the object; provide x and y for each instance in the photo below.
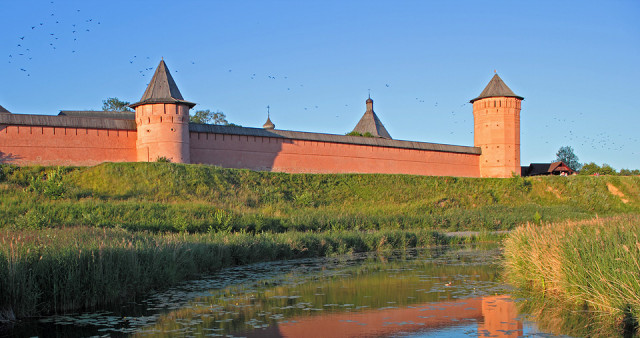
(407, 294)
(445, 291)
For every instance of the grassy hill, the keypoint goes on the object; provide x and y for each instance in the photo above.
(199, 198)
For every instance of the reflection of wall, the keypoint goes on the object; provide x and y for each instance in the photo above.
(305, 156)
(500, 315)
(66, 146)
(496, 317)
(373, 323)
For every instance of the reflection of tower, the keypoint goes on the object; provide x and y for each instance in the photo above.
(500, 318)
(162, 120)
(496, 114)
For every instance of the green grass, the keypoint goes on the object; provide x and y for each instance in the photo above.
(81, 237)
(61, 270)
(592, 264)
(199, 198)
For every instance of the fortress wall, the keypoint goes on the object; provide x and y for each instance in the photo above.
(26, 145)
(304, 156)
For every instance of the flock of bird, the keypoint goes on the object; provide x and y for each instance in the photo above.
(49, 34)
(54, 34)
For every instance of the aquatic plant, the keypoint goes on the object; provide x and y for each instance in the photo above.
(591, 263)
(60, 270)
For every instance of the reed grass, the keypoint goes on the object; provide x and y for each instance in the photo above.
(61, 270)
(591, 263)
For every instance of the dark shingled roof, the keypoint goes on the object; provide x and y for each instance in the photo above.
(4, 111)
(66, 121)
(123, 115)
(535, 169)
(496, 88)
(370, 123)
(298, 135)
(162, 89)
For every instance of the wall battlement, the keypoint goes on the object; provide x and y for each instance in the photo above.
(160, 128)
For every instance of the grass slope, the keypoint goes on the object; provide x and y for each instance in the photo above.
(199, 198)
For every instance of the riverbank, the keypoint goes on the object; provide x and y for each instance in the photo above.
(53, 271)
(161, 197)
(591, 265)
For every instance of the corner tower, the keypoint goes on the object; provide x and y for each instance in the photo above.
(496, 129)
(162, 120)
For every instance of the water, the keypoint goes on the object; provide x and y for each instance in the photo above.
(443, 292)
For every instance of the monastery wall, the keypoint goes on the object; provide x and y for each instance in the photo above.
(304, 156)
(38, 145)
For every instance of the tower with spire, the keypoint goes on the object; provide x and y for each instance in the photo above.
(268, 124)
(162, 120)
(371, 124)
(496, 117)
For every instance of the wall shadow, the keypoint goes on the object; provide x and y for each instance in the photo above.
(255, 150)
(8, 157)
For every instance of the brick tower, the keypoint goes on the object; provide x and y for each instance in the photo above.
(162, 120)
(496, 115)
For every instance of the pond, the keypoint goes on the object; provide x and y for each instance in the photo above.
(441, 292)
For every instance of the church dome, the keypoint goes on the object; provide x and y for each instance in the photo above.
(269, 124)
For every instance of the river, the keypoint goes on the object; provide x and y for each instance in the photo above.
(440, 292)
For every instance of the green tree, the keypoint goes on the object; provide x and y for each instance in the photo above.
(355, 133)
(590, 169)
(114, 104)
(607, 170)
(209, 117)
(629, 172)
(625, 172)
(566, 155)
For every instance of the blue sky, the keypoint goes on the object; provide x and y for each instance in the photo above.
(313, 62)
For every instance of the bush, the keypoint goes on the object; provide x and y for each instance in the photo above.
(49, 183)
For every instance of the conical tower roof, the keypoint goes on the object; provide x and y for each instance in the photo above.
(4, 111)
(496, 88)
(162, 89)
(370, 123)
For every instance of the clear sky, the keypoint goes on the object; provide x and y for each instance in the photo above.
(576, 63)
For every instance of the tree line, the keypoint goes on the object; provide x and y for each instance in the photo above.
(204, 116)
(568, 156)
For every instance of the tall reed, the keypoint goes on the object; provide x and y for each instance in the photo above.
(593, 263)
(61, 270)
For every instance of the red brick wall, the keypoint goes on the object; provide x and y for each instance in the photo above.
(80, 146)
(298, 156)
(65, 146)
